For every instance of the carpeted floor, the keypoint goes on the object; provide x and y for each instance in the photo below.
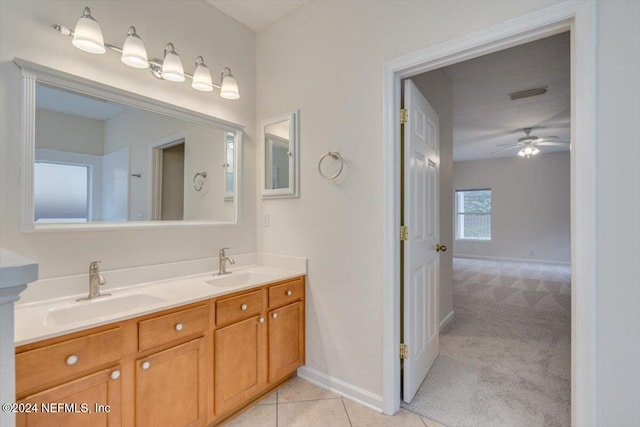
(505, 359)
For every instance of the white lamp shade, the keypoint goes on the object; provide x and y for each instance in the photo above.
(172, 69)
(87, 35)
(229, 89)
(134, 54)
(202, 78)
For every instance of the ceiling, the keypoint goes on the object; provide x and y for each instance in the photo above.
(256, 14)
(483, 113)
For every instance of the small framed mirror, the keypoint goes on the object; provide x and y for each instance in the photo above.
(280, 156)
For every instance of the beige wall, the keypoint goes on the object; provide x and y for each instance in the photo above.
(326, 59)
(530, 207)
(64, 132)
(195, 28)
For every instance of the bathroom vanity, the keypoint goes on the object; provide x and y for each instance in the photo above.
(217, 346)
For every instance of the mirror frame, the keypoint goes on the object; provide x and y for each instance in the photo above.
(32, 73)
(293, 190)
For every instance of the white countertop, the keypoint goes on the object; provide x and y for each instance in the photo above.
(38, 320)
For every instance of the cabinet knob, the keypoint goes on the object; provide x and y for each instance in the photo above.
(274, 315)
(115, 374)
(289, 293)
(178, 327)
(243, 307)
(72, 360)
(261, 319)
(146, 365)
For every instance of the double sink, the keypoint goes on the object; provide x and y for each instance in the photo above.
(66, 314)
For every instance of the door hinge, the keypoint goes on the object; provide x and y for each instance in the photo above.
(404, 351)
(404, 233)
(404, 116)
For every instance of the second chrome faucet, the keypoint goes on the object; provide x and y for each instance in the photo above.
(96, 279)
(222, 262)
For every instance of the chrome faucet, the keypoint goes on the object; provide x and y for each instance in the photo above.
(96, 279)
(222, 262)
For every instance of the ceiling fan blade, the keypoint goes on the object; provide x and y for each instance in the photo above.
(549, 137)
(553, 143)
(503, 149)
(513, 144)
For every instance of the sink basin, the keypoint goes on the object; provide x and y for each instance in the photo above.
(81, 311)
(239, 278)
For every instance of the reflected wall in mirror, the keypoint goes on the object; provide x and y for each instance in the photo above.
(98, 160)
(280, 156)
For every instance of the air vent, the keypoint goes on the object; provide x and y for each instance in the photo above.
(528, 93)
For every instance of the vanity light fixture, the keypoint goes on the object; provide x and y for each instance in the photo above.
(202, 76)
(134, 54)
(87, 36)
(172, 69)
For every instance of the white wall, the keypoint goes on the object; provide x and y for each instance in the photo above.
(530, 204)
(437, 88)
(326, 59)
(64, 132)
(618, 205)
(195, 28)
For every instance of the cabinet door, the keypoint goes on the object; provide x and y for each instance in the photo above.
(240, 361)
(171, 387)
(93, 400)
(286, 341)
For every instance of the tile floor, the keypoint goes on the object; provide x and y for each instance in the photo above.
(302, 404)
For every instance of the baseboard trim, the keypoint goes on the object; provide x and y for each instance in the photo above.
(492, 258)
(447, 321)
(343, 388)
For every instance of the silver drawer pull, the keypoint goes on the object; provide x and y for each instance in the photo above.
(261, 320)
(289, 293)
(72, 360)
(146, 365)
(243, 307)
(274, 315)
(179, 327)
(115, 375)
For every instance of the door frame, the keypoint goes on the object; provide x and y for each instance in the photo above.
(580, 18)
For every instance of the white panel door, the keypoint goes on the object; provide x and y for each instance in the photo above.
(421, 265)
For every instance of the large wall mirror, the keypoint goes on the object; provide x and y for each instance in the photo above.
(280, 156)
(99, 157)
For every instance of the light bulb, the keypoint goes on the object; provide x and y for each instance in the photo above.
(201, 76)
(87, 35)
(134, 54)
(172, 69)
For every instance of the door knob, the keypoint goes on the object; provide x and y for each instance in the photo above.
(440, 248)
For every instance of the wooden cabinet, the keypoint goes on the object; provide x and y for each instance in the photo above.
(286, 341)
(186, 366)
(93, 400)
(171, 387)
(240, 358)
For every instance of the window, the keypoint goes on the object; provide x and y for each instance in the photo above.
(473, 214)
(61, 192)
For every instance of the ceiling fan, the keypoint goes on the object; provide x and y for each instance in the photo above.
(529, 144)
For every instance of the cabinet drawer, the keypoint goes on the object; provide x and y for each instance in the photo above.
(164, 329)
(286, 293)
(46, 365)
(243, 306)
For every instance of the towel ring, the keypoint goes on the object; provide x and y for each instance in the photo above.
(198, 183)
(335, 155)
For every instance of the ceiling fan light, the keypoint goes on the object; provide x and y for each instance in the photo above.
(87, 35)
(134, 53)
